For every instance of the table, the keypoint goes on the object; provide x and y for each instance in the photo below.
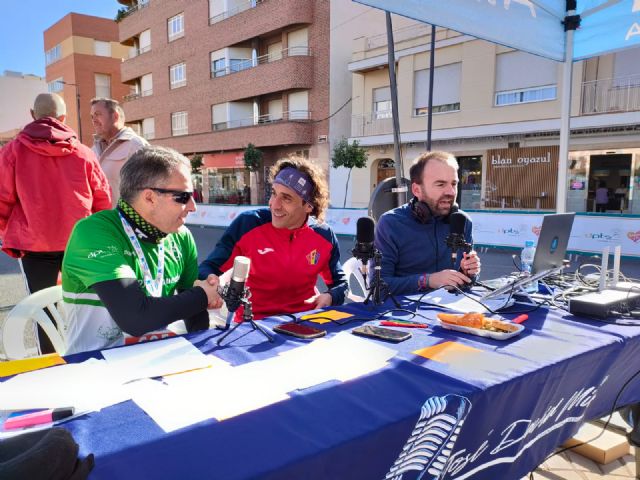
(482, 409)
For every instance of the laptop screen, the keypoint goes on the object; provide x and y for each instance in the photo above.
(552, 243)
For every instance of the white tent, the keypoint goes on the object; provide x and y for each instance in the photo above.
(562, 30)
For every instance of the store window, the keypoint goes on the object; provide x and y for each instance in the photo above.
(228, 186)
(470, 182)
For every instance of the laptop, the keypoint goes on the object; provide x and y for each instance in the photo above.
(550, 252)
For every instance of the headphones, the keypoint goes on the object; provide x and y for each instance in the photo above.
(423, 214)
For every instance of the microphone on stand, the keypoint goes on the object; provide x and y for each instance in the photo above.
(234, 292)
(455, 240)
(363, 249)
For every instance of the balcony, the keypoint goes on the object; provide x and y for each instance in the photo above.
(136, 95)
(292, 116)
(234, 11)
(268, 134)
(268, 58)
(138, 51)
(290, 73)
(610, 95)
(133, 7)
(373, 123)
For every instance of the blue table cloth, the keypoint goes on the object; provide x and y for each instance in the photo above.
(467, 407)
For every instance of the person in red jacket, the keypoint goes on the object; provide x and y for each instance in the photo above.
(48, 181)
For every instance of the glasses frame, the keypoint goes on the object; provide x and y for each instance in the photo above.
(178, 196)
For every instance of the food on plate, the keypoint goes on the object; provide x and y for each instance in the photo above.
(477, 320)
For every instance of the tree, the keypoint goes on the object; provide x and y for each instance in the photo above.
(253, 161)
(348, 156)
(196, 163)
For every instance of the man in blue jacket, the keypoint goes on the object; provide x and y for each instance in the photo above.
(412, 237)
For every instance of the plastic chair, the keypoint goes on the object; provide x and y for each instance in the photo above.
(31, 309)
(352, 271)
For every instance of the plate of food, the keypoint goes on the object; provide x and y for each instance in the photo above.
(478, 324)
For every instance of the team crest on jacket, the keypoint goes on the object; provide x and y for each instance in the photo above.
(313, 256)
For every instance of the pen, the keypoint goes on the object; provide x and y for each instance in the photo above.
(520, 318)
(38, 418)
(388, 323)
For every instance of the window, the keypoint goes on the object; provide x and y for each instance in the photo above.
(148, 128)
(55, 85)
(102, 49)
(53, 55)
(219, 116)
(381, 103)
(103, 85)
(175, 27)
(178, 75)
(179, 123)
(626, 68)
(446, 89)
(299, 105)
(144, 42)
(523, 78)
(218, 68)
(146, 85)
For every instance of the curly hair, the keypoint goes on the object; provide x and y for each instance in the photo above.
(320, 194)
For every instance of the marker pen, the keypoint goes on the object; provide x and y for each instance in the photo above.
(38, 418)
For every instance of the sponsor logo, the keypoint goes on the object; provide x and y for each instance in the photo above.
(602, 236)
(536, 230)
(107, 252)
(263, 251)
(346, 220)
(509, 231)
(313, 257)
(634, 236)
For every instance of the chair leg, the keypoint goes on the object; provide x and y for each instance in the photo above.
(636, 452)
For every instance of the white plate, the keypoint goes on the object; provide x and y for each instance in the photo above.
(483, 333)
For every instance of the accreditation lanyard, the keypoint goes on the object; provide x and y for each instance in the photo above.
(153, 285)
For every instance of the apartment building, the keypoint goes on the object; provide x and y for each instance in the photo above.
(498, 111)
(211, 76)
(83, 60)
(17, 93)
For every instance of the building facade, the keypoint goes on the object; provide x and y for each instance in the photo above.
(209, 77)
(17, 93)
(83, 59)
(498, 111)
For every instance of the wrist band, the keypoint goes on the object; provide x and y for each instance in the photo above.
(423, 282)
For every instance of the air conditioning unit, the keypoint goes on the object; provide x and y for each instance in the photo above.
(322, 139)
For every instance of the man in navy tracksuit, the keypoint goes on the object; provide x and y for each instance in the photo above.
(287, 251)
(411, 238)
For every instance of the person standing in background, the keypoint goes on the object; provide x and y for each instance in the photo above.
(48, 181)
(602, 197)
(113, 143)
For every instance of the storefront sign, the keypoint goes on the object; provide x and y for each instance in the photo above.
(224, 160)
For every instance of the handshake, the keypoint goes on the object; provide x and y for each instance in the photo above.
(210, 286)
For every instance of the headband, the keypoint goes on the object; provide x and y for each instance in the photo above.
(297, 181)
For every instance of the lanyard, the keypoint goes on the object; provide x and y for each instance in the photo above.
(153, 286)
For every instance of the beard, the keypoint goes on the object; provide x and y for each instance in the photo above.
(440, 206)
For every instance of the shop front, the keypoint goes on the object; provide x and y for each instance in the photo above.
(225, 180)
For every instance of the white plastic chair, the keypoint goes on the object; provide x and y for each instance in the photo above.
(352, 271)
(31, 309)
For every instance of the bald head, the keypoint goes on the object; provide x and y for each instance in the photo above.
(48, 105)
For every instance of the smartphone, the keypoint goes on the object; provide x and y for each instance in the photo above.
(381, 333)
(299, 330)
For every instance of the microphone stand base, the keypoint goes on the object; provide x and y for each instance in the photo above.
(247, 318)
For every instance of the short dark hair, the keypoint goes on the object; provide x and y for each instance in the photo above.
(418, 165)
(110, 104)
(320, 193)
(149, 167)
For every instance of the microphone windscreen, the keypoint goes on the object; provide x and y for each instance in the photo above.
(365, 229)
(457, 222)
(240, 269)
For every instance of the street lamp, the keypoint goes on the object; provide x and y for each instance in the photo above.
(77, 105)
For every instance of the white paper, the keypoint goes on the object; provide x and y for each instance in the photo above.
(462, 303)
(155, 359)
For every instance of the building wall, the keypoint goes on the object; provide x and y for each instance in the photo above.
(78, 64)
(17, 93)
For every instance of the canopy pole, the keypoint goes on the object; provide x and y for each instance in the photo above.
(400, 189)
(432, 62)
(571, 22)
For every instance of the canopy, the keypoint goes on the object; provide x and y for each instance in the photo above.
(534, 26)
(562, 30)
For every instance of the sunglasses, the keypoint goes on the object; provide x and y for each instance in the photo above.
(178, 196)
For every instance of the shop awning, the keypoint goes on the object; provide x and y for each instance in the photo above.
(233, 159)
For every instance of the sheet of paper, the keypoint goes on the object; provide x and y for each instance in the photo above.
(14, 367)
(461, 303)
(87, 386)
(326, 316)
(155, 359)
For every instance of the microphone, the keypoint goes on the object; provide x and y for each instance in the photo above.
(363, 249)
(233, 292)
(455, 240)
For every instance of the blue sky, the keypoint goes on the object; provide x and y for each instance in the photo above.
(24, 21)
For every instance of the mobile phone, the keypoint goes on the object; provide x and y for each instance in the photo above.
(299, 330)
(381, 333)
